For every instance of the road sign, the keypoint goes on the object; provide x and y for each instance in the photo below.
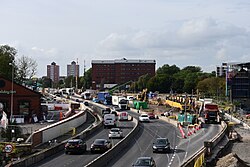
(8, 148)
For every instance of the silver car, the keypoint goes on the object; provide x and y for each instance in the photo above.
(115, 133)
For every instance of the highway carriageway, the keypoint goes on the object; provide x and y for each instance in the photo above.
(61, 159)
(140, 145)
(181, 149)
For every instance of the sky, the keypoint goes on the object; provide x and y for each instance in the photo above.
(202, 33)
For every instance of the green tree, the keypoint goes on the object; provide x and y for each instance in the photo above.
(7, 59)
(88, 79)
(69, 82)
(142, 82)
(46, 82)
(166, 69)
(213, 86)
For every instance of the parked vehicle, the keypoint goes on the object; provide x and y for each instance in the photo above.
(109, 120)
(115, 133)
(75, 145)
(144, 118)
(145, 162)
(123, 116)
(100, 145)
(161, 145)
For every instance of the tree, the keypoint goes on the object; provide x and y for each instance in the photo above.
(7, 60)
(87, 79)
(46, 82)
(26, 68)
(69, 82)
(166, 69)
(212, 86)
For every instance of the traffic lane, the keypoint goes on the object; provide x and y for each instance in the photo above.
(141, 145)
(75, 160)
(189, 146)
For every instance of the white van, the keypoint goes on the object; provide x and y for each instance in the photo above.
(123, 116)
(109, 120)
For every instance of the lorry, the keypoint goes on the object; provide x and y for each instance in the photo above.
(120, 101)
(211, 113)
(104, 98)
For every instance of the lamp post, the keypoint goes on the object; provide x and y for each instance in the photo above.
(12, 91)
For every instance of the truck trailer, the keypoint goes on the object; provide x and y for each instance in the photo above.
(120, 101)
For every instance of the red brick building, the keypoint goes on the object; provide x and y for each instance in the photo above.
(25, 101)
(120, 71)
(53, 72)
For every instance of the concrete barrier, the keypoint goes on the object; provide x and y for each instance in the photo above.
(196, 159)
(35, 158)
(114, 151)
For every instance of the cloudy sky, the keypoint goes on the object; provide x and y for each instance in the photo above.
(203, 33)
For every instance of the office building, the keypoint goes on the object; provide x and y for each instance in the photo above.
(73, 69)
(112, 72)
(238, 83)
(53, 72)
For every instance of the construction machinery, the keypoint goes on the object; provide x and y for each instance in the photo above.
(143, 96)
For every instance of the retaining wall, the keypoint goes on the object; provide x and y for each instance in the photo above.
(35, 158)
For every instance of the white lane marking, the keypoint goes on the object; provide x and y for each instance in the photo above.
(172, 158)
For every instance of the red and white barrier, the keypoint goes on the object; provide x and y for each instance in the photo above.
(182, 131)
(190, 130)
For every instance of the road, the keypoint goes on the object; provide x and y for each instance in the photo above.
(63, 160)
(182, 149)
(141, 145)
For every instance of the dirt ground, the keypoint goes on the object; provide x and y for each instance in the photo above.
(239, 153)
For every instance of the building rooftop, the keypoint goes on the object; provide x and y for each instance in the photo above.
(117, 61)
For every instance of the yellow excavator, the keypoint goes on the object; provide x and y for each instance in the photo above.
(143, 95)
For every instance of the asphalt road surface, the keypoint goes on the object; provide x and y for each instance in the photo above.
(181, 149)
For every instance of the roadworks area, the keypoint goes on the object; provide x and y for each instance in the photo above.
(238, 153)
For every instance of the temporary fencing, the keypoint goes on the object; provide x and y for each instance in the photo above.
(190, 130)
(182, 131)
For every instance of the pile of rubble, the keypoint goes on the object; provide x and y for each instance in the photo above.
(230, 160)
(239, 153)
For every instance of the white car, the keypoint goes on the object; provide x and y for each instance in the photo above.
(144, 118)
(115, 133)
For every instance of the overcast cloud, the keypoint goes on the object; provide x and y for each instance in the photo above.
(181, 32)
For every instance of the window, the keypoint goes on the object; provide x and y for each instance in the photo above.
(24, 107)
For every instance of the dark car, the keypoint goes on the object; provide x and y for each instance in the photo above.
(75, 145)
(161, 145)
(86, 103)
(144, 162)
(100, 145)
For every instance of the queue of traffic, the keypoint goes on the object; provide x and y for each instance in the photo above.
(113, 117)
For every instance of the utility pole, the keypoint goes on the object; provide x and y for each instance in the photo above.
(76, 73)
(84, 74)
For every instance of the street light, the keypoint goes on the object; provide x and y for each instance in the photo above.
(12, 90)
